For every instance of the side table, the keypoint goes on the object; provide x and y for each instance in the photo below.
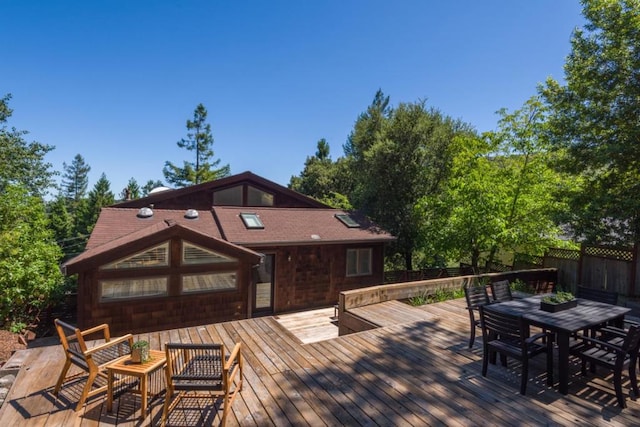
(142, 371)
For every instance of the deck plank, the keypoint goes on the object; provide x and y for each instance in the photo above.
(415, 370)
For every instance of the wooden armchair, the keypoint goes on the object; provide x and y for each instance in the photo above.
(615, 357)
(509, 336)
(194, 368)
(600, 295)
(92, 360)
(476, 296)
(501, 291)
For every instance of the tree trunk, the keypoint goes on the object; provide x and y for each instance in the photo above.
(408, 261)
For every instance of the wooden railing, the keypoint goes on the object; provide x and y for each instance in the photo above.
(541, 279)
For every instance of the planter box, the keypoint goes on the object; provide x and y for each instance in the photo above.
(554, 307)
(140, 354)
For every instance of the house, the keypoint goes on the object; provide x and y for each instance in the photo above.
(238, 247)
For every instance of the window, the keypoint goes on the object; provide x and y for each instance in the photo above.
(242, 195)
(158, 256)
(229, 196)
(113, 290)
(192, 254)
(251, 220)
(257, 197)
(208, 282)
(347, 220)
(358, 262)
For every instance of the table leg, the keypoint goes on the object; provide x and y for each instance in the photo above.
(110, 391)
(143, 397)
(563, 360)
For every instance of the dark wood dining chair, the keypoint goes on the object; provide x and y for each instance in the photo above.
(599, 295)
(476, 296)
(508, 335)
(501, 291)
(615, 357)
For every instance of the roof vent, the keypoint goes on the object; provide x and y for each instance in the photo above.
(315, 237)
(191, 214)
(145, 213)
(158, 190)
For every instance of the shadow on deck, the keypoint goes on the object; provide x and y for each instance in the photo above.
(415, 373)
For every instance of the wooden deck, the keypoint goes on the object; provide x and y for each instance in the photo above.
(413, 373)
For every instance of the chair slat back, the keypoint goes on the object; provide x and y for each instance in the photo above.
(504, 326)
(599, 295)
(72, 341)
(501, 291)
(476, 296)
(195, 366)
(631, 342)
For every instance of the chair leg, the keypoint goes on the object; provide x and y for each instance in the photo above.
(550, 362)
(225, 409)
(63, 374)
(503, 359)
(633, 378)
(525, 376)
(617, 383)
(472, 337)
(87, 389)
(485, 362)
(165, 410)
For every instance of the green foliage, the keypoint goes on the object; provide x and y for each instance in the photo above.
(594, 122)
(398, 157)
(521, 286)
(29, 271)
(501, 194)
(61, 223)
(99, 197)
(419, 300)
(558, 298)
(319, 178)
(75, 181)
(439, 295)
(22, 162)
(17, 327)
(140, 344)
(200, 140)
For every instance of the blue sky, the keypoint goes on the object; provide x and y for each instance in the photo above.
(115, 81)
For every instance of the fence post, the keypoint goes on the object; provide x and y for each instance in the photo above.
(580, 260)
(634, 260)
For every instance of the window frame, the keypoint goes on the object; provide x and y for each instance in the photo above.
(209, 290)
(251, 220)
(102, 282)
(359, 252)
(223, 259)
(112, 266)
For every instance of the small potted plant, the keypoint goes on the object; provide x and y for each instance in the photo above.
(140, 352)
(558, 302)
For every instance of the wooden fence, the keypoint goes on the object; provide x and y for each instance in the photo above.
(600, 267)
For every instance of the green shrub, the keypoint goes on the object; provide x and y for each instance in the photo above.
(29, 270)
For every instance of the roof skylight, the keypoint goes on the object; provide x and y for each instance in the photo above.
(251, 220)
(348, 220)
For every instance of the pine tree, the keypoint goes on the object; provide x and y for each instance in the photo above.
(200, 140)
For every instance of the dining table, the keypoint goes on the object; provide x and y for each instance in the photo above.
(564, 324)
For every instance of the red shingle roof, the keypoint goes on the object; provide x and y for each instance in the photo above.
(151, 227)
(117, 227)
(117, 222)
(286, 226)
